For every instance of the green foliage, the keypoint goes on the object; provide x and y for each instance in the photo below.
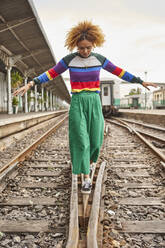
(15, 101)
(29, 97)
(40, 101)
(135, 91)
(16, 79)
(45, 96)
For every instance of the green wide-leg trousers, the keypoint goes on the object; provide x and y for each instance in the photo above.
(86, 130)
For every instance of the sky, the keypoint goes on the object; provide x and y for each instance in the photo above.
(134, 32)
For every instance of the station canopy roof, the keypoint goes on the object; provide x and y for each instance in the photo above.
(22, 35)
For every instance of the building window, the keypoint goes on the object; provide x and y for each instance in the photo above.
(105, 91)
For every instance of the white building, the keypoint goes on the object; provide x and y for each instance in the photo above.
(139, 101)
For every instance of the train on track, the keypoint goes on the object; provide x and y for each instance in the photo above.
(110, 97)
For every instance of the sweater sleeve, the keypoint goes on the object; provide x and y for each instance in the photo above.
(108, 66)
(52, 73)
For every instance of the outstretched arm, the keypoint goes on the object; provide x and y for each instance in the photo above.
(109, 66)
(21, 91)
(52, 73)
(146, 84)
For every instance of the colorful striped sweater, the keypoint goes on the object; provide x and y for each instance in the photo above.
(85, 72)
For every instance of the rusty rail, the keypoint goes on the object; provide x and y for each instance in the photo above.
(22, 155)
(153, 148)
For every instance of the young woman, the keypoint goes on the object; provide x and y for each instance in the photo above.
(86, 123)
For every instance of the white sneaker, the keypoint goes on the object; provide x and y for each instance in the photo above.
(86, 187)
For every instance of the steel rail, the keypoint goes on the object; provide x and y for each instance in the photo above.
(74, 224)
(150, 135)
(22, 155)
(148, 126)
(139, 131)
(143, 124)
(152, 147)
(81, 235)
(94, 215)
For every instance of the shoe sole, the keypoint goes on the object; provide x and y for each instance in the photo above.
(86, 192)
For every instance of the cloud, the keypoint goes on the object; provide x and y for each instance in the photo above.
(155, 40)
(119, 11)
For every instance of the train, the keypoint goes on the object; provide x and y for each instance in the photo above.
(110, 97)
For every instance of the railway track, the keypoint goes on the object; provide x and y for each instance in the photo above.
(12, 145)
(148, 130)
(153, 136)
(41, 204)
(35, 193)
(135, 197)
(31, 209)
(85, 214)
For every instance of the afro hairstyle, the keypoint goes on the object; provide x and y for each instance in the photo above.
(84, 31)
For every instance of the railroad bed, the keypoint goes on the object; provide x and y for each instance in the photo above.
(147, 129)
(41, 203)
(12, 145)
(35, 198)
(134, 214)
(34, 208)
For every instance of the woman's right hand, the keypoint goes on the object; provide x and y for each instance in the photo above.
(21, 91)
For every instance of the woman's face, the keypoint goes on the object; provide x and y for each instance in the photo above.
(84, 48)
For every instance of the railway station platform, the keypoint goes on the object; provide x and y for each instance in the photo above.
(16, 122)
(154, 116)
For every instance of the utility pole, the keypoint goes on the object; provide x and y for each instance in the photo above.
(145, 90)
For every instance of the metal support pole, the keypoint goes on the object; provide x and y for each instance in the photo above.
(53, 102)
(47, 100)
(42, 99)
(9, 98)
(26, 102)
(50, 100)
(145, 90)
(36, 102)
(30, 104)
(57, 103)
(10, 63)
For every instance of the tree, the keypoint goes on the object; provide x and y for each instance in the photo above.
(135, 91)
(16, 79)
(15, 101)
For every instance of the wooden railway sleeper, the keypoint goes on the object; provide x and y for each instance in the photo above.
(84, 217)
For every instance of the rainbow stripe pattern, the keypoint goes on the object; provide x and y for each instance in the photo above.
(85, 72)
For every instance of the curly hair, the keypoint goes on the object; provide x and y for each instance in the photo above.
(84, 31)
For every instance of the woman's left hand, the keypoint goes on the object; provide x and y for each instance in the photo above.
(145, 84)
